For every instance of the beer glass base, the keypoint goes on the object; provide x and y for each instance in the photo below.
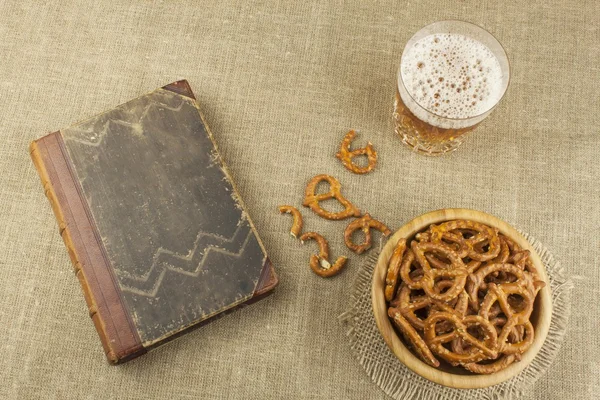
(423, 138)
(423, 147)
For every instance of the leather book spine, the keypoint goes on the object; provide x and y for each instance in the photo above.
(118, 345)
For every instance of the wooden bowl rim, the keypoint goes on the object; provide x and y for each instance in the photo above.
(404, 354)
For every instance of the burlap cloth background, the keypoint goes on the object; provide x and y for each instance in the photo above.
(280, 83)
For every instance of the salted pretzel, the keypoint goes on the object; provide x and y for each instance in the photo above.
(311, 199)
(437, 263)
(364, 223)
(503, 361)
(466, 292)
(486, 347)
(477, 280)
(522, 345)
(455, 270)
(421, 248)
(408, 305)
(320, 263)
(515, 327)
(456, 242)
(480, 235)
(423, 236)
(500, 293)
(346, 155)
(297, 219)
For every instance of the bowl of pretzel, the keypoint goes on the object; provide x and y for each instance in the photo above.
(461, 298)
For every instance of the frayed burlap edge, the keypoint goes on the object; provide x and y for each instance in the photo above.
(399, 382)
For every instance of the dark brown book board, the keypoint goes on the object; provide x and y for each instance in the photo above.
(159, 238)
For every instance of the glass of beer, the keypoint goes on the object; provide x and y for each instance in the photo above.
(451, 76)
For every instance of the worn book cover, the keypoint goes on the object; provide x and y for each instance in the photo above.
(160, 240)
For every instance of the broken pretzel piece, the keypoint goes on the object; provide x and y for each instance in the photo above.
(297, 219)
(320, 263)
(364, 223)
(346, 155)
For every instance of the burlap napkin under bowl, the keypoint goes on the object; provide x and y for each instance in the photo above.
(399, 382)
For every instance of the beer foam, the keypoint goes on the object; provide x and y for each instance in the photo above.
(452, 76)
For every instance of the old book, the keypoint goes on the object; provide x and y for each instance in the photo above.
(160, 240)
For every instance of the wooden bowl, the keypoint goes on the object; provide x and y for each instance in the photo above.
(447, 375)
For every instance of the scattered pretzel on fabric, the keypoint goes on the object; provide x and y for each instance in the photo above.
(346, 155)
(463, 292)
(297, 219)
(320, 263)
(311, 199)
(364, 223)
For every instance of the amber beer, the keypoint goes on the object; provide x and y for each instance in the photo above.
(451, 76)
